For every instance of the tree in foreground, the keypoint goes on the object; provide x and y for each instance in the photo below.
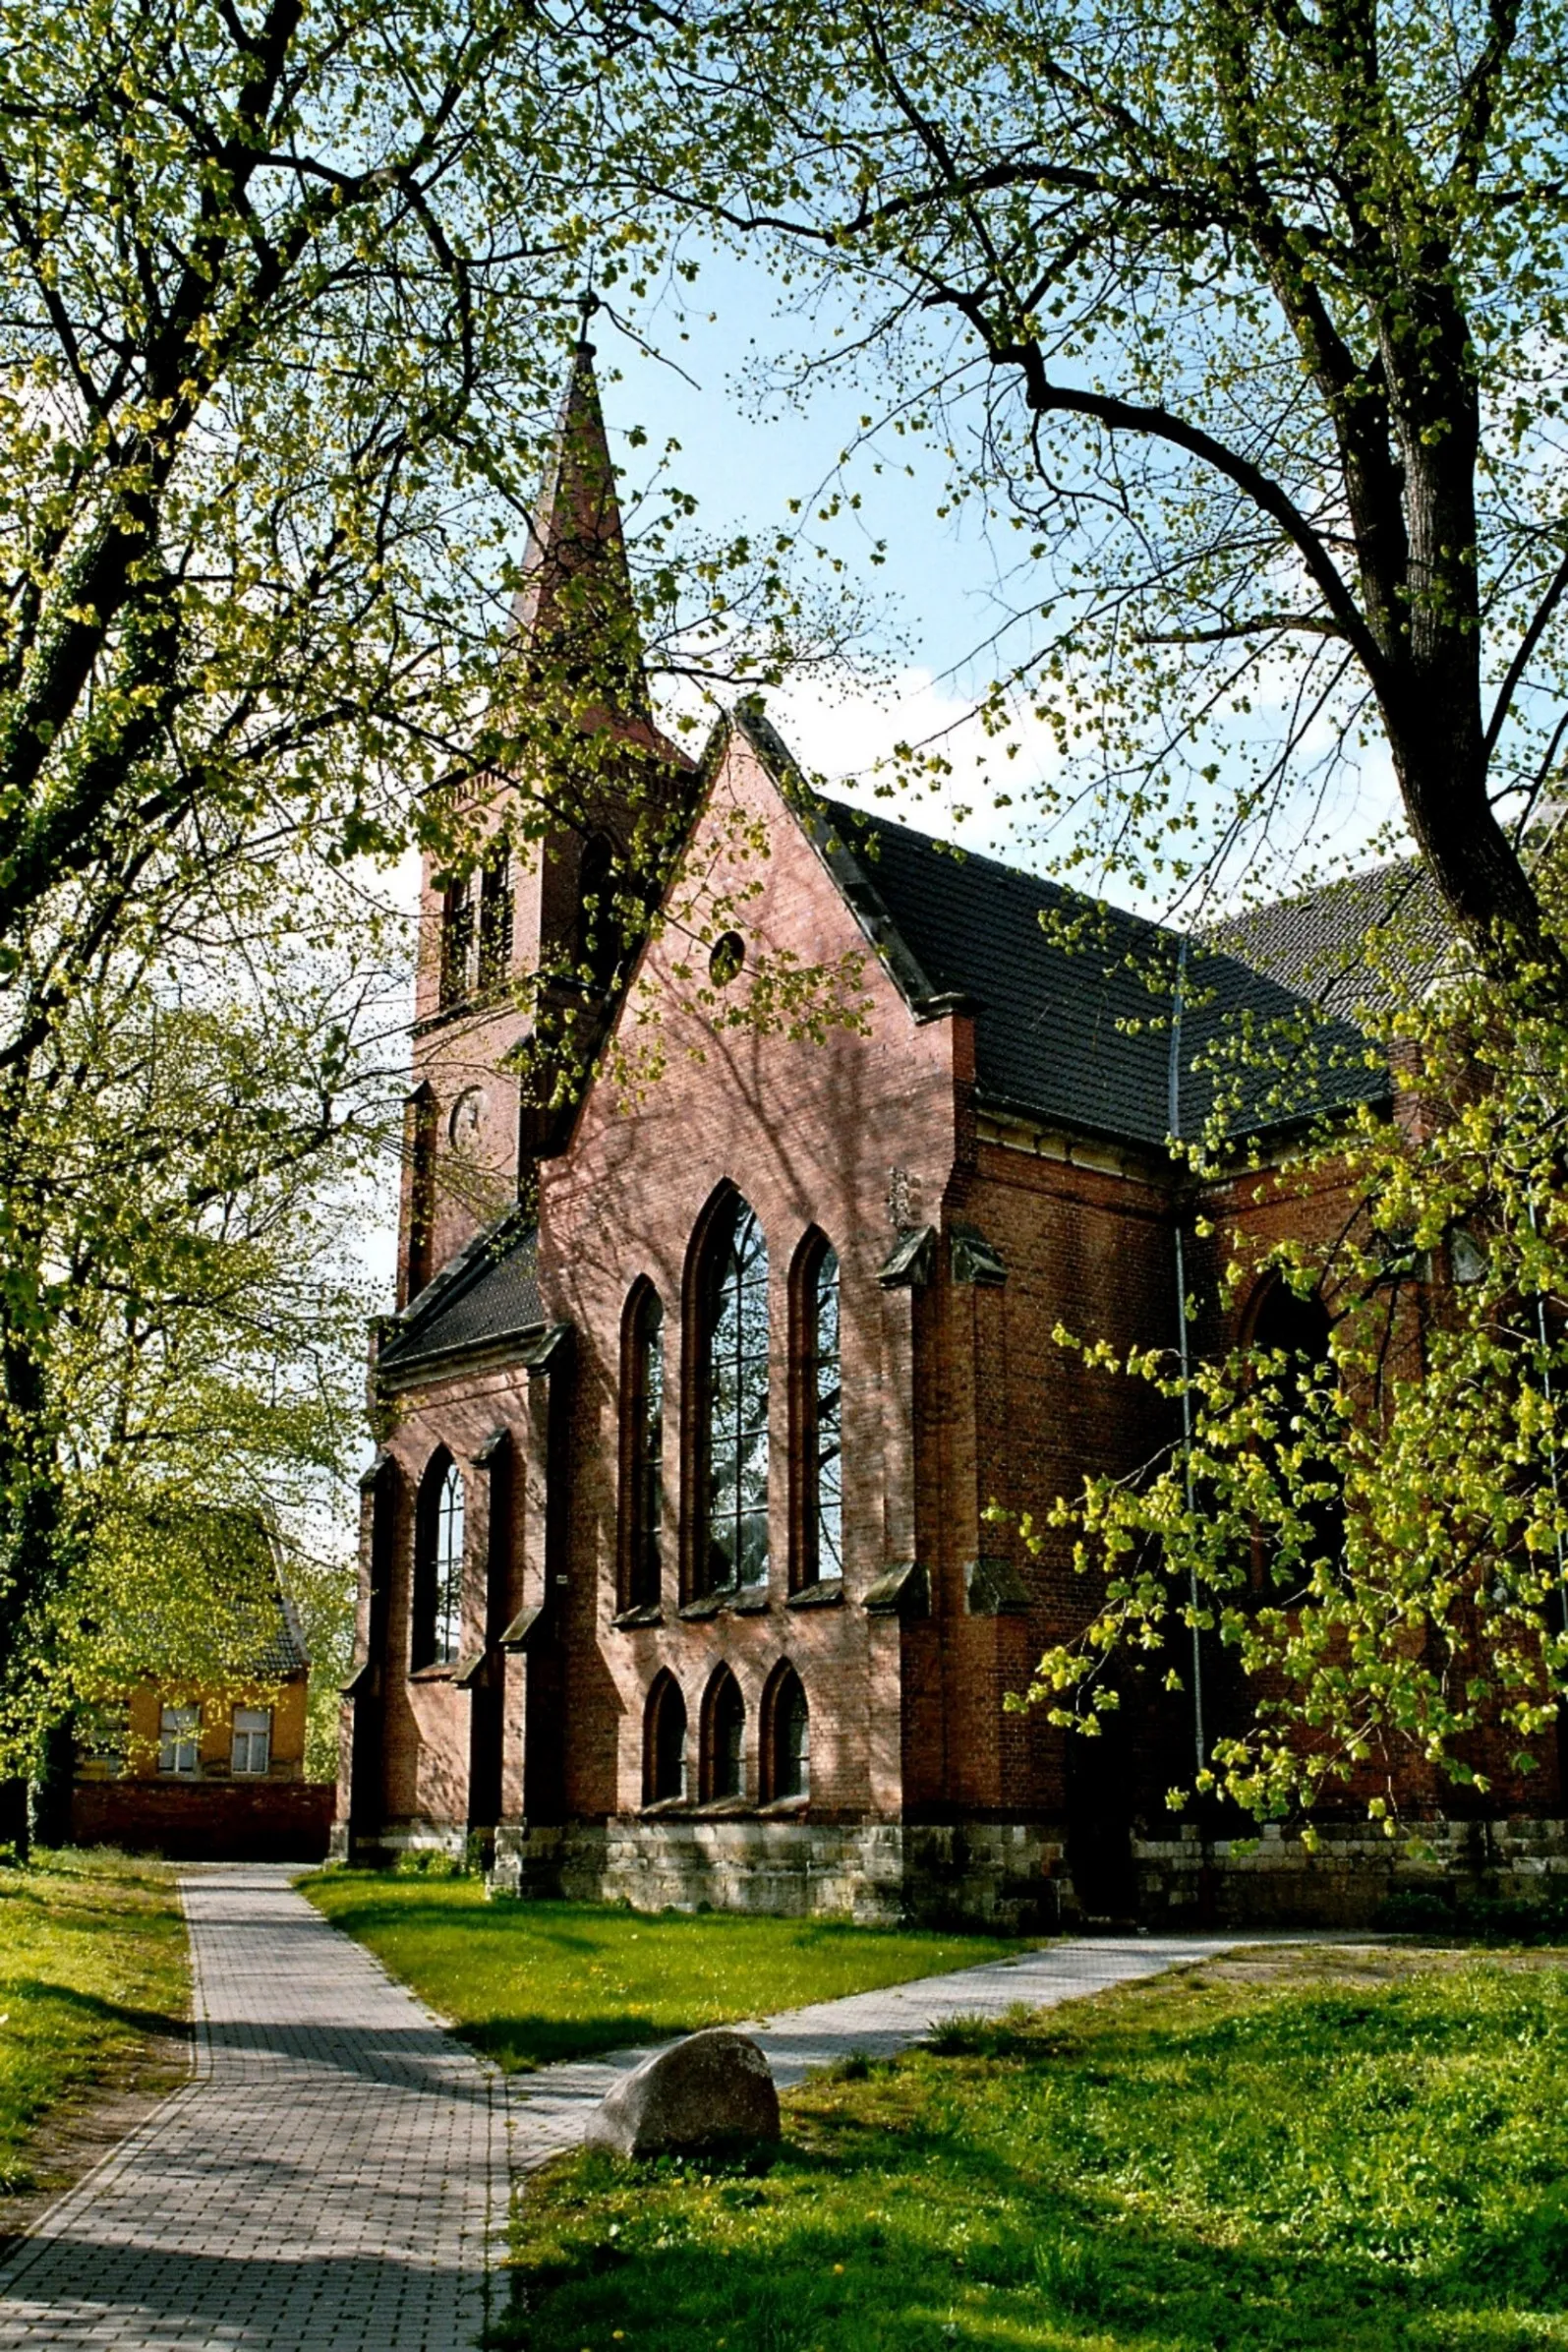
(1249, 322)
(1242, 328)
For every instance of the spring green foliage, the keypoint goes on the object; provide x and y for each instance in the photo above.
(189, 1128)
(287, 294)
(1243, 330)
(92, 1957)
(1310, 2152)
(1373, 1527)
(531, 1982)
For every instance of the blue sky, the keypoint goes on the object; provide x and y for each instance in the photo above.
(938, 592)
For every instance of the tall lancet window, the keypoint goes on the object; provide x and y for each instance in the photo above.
(643, 1447)
(735, 1551)
(438, 1566)
(496, 921)
(822, 1418)
(457, 942)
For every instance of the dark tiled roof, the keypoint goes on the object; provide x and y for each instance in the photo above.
(1073, 998)
(280, 1647)
(1350, 946)
(237, 1561)
(489, 1293)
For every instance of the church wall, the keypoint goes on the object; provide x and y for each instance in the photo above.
(427, 1716)
(810, 1134)
(1250, 1214)
(1016, 1420)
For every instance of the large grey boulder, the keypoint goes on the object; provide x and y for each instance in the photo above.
(711, 2090)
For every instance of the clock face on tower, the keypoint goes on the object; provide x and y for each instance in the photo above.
(468, 1117)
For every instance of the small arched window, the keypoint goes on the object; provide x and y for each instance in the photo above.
(820, 1415)
(457, 941)
(643, 1447)
(664, 1742)
(725, 1745)
(788, 1737)
(438, 1566)
(496, 921)
(733, 1546)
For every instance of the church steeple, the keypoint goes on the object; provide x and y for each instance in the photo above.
(574, 615)
(530, 918)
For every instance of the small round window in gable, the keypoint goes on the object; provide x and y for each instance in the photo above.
(729, 954)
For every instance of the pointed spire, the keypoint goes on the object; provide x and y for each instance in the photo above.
(575, 598)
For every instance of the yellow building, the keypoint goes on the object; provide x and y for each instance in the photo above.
(215, 1771)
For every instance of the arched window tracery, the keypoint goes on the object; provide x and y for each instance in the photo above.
(731, 1550)
(643, 1448)
(438, 1566)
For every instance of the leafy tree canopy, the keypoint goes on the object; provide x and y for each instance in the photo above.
(1248, 318)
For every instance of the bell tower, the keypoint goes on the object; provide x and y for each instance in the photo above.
(530, 913)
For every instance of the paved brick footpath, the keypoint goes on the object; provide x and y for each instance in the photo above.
(550, 2109)
(336, 2172)
(329, 2176)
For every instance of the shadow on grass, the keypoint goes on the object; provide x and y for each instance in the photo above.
(926, 2213)
(1067, 2273)
(521, 2044)
(116, 2014)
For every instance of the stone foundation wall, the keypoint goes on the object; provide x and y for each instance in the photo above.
(1011, 1878)
(1274, 1881)
(877, 1873)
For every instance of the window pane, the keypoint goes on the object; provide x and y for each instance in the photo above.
(647, 1406)
(668, 1743)
(737, 1412)
(253, 1739)
(728, 1742)
(824, 1500)
(179, 1739)
(448, 1567)
(794, 1738)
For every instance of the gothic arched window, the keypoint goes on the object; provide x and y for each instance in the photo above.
(1299, 1328)
(438, 1566)
(457, 942)
(724, 1738)
(664, 1742)
(643, 1448)
(733, 1549)
(820, 1446)
(788, 1753)
(496, 921)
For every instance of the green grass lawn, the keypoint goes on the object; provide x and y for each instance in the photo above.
(92, 1959)
(529, 1982)
(1271, 2152)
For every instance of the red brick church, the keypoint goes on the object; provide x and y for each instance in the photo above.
(681, 1576)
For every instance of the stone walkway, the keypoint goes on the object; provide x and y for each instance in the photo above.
(328, 2176)
(549, 2110)
(333, 2172)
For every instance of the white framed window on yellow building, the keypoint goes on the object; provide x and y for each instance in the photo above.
(253, 1739)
